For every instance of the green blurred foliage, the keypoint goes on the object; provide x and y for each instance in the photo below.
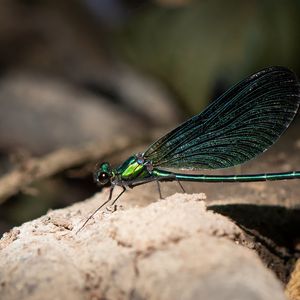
(195, 48)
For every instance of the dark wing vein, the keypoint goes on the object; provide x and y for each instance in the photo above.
(239, 125)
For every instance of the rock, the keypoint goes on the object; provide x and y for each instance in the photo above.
(170, 249)
(293, 286)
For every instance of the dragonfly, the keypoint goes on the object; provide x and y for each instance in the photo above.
(235, 128)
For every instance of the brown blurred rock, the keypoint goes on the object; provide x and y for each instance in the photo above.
(41, 114)
(171, 249)
(61, 84)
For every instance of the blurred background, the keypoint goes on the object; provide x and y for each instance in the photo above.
(75, 72)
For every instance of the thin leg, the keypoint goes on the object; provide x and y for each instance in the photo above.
(114, 202)
(103, 204)
(181, 185)
(159, 190)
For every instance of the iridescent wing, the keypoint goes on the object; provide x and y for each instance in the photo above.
(239, 125)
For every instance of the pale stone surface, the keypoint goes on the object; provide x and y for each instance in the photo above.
(170, 249)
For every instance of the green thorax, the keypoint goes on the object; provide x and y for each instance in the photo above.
(131, 169)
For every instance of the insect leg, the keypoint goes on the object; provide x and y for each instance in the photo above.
(181, 185)
(103, 204)
(159, 190)
(114, 202)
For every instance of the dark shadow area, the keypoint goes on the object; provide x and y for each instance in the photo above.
(275, 223)
(274, 231)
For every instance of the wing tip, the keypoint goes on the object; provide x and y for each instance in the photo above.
(285, 73)
(274, 69)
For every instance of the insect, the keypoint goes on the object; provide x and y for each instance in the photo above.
(242, 123)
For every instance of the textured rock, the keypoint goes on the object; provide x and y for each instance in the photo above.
(171, 249)
(293, 286)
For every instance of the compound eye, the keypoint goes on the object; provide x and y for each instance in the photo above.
(103, 178)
